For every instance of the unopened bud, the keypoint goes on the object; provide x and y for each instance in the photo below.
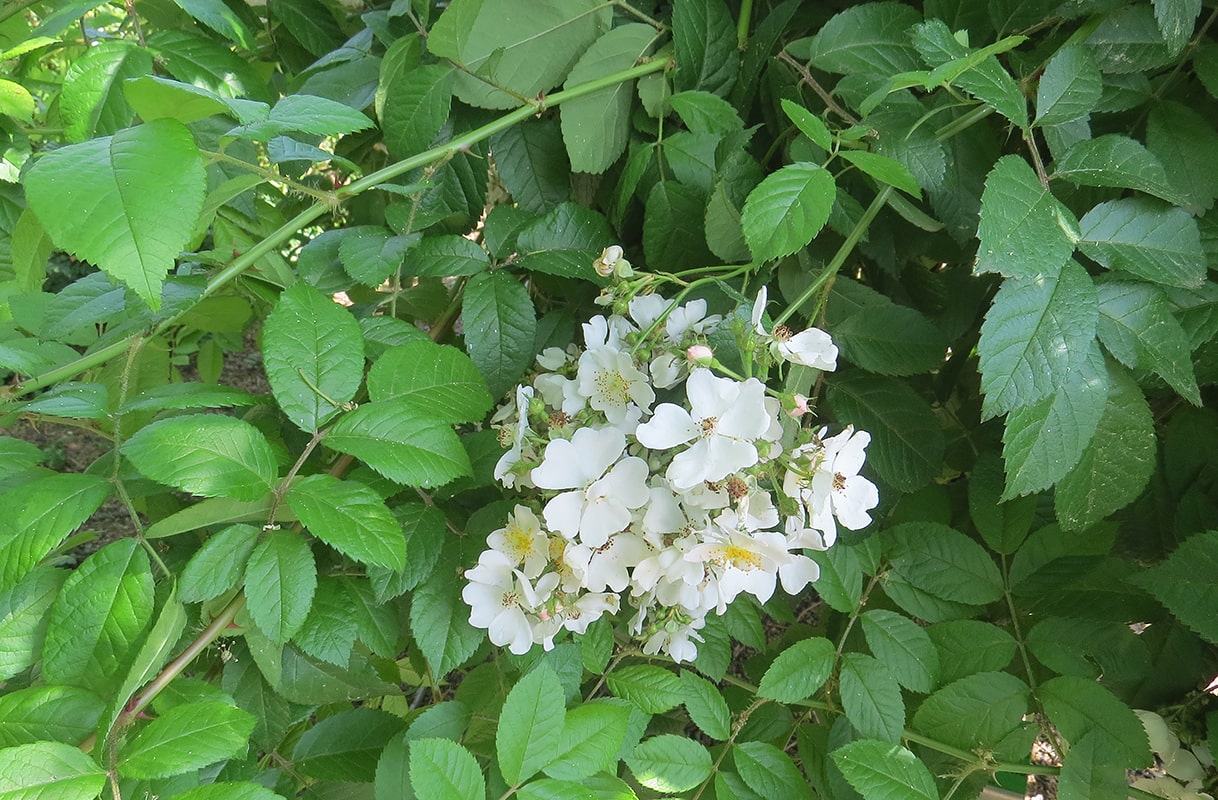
(800, 408)
(608, 263)
(700, 354)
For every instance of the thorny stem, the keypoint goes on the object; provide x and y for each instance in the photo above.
(737, 726)
(282, 489)
(854, 615)
(806, 77)
(284, 232)
(274, 177)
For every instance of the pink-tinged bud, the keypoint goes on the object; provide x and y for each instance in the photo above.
(800, 408)
(700, 354)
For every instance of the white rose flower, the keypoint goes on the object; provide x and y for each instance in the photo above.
(811, 348)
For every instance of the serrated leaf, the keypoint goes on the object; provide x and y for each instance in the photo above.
(532, 164)
(1116, 465)
(23, 618)
(439, 623)
(889, 339)
(1079, 707)
(969, 646)
(187, 396)
(98, 619)
(1002, 525)
(596, 126)
(1147, 239)
(871, 39)
(522, 46)
(403, 442)
(871, 698)
(499, 324)
(669, 763)
(1024, 231)
(530, 725)
(976, 711)
(1117, 161)
(1088, 773)
(1042, 442)
(349, 517)
(1128, 40)
(311, 23)
(1186, 582)
(982, 76)
(809, 124)
(705, 705)
(229, 790)
(329, 631)
(217, 566)
(884, 169)
(798, 671)
(787, 209)
(416, 106)
(1037, 332)
(346, 745)
(673, 232)
(1137, 327)
(221, 19)
(16, 101)
(592, 735)
(186, 738)
(371, 255)
(703, 112)
(49, 770)
(769, 771)
(435, 377)
(202, 61)
(906, 439)
(126, 202)
(91, 101)
(280, 579)
(1176, 19)
(903, 647)
(885, 771)
(1186, 144)
(443, 769)
(58, 713)
(1069, 88)
(943, 562)
(313, 353)
(205, 454)
(303, 113)
(651, 688)
(41, 513)
(704, 41)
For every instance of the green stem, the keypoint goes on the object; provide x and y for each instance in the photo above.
(742, 24)
(289, 229)
(16, 8)
(839, 258)
(272, 176)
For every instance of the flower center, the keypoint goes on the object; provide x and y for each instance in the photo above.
(519, 542)
(736, 487)
(708, 426)
(740, 558)
(839, 481)
(559, 419)
(510, 599)
(781, 333)
(612, 386)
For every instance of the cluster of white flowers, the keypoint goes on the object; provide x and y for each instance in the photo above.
(675, 507)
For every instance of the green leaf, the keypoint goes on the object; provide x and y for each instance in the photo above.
(499, 324)
(346, 745)
(769, 771)
(439, 622)
(705, 705)
(809, 124)
(280, 580)
(885, 771)
(59, 713)
(943, 562)
(16, 101)
(674, 236)
(202, 61)
(787, 209)
(435, 377)
(302, 113)
(975, 712)
(904, 647)
(313, 353)
(98, 619)
(1136, 325)
(889, 339)
(445, 257)
(329, 631)
(907, 441)
(187, 396)
(1078, 706)
(704, 38)
(532, 163)
(91, 101)
(703, 112)
(416, 106)
(1037, 332)
(798, 671)
(445, 770)
(1069, 88)
(651, 688)
(78, 400)
(41, 514)
(46, 770)
(221, 19)
(1024, 231)
(23, 621)
(871, 698)
(371, 255)
(126, 202)
(1115, 467)
(1003, 525)
(403, 442)
(205, 454)
(550, 789)
(1128, 40)
(871, 39)
(185, 738)
(229, 790)
(1176, 19)
(519, 45)
(530, 725)
(669, 763)
(596, 126)
(1117, 161)
(310, 22)
(156, 648)
(1043, 441)
(884, 169)
(592, 735)
(1146, 238)
(1187, 583)
(349, 517)
(1088, 773)
(154, 97)
(1186, 145)
(977, 72)
(969, 646)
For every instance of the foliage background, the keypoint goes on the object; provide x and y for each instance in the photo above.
(1002, 212)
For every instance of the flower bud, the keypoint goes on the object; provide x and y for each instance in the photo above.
(700, 354)
(799, 408)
